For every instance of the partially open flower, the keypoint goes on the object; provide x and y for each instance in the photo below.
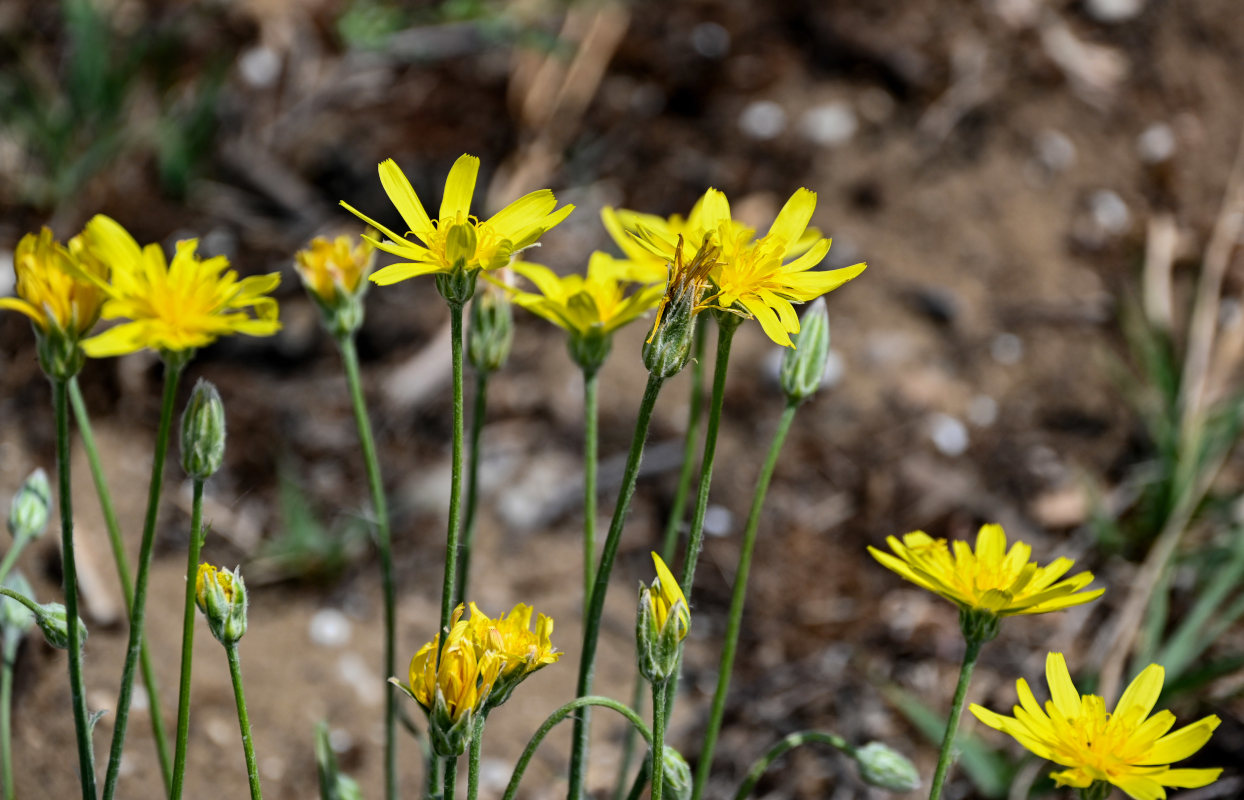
(333, 271)
(522, 650)
(221, 596)
(661, 624)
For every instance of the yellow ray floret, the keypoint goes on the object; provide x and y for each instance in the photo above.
(1127, 748)
(464, 676)
(521, 649)
(174, 306)
(583, 304)
(455, 238)
(329, 265)
(52, 288)
(992, 578)
(667, 598)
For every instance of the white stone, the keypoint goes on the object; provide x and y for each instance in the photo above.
(1054, 150)
(329, 628)
(763, 119)
(982, 411)
(1007, 349)
(1114, 10)
(710, 40)
(830, 125)
(1109, 211)
(718, 521)
(949, 435)
(1156, 144)
(260, 66)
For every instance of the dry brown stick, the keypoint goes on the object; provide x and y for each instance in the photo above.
(1161, 239)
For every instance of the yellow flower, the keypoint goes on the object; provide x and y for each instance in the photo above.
(51, 287)
(597, 302)
(667, 598)
(521, 650)
(992, 579)
(752, 273)
(465, 675)
(456, 239)
(650, 249)
(1126, 748)
(176, 306)
(327, 266)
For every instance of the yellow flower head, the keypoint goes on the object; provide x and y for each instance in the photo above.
(221, 596)
(753, 275)
(465, 675)
(331, 265)
(993, 579)
(174, 306)
(208, 575)
(522, 651)
(456, 239)
(667, 598)
(650, 248)
(51, 287)
(1126, 748)
(583, 305)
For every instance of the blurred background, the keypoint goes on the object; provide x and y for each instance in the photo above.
(1049, 335)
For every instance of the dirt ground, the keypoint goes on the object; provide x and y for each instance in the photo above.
(998, 165)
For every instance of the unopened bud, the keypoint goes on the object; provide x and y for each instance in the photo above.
(203, 432)
(886, 768)
(53, 621)
(803, 366)
(221, 596)
(677, 780)
(661, 624)
(491, 330)
(28, 513)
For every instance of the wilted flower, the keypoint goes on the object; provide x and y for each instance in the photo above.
(1126, 748)
(221, 596)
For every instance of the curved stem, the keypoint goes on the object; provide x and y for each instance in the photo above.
(244, 723)
(6, 708)
(477, 736)
(187, 640)
(172, 373)
(87, 434)
(737, 600)
(658, 740)
(472, 491)
(589, 484)
(591, 622)
(557, 716)
(384, 544)
(956, 709)
(780, 749)
(455, 483)
(82, 727)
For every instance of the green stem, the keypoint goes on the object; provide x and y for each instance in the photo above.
(658, 739)
(591, 622)
(970, 654)
(695, 408)
(737, 600)
(384, 544)
(641, 779)
(590, 441)
(6, 707)
(10, 558)
(780, 749)
(477, 737)
(173, 367)
(187, 640)
(451, 778)
(86, 758)
(87, 434)
(244, 723)
(557, 716)
(455, 483)
(472, 493)
(628, 739)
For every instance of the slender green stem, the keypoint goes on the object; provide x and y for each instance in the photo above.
(451, 778)
(628, 739)
(87, 434)
(86, 757)
(384, 544)
(641, 779)
(6, 708)
(658, 740)
(187, 640)
(591, 622)
(10, 558)
(970, 654)
(737, 600)
(589, 484)
(557, 716)
(472, 492)
(477, 743)
(173, 367)
(780, 749)
(455, 483)
(695, 408)
(244, 722)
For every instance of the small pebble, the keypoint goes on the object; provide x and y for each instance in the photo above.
(982, 411)
(762, 119)
(1007, 349)
(1156, 144)
(1054, 150)
(710, 40)
(358, 674)
(260, 67)
(718, 521)
(1110, 11)
(329, 628)
(949, 435)
(340, 740)
(1109, 211)
(830, 125)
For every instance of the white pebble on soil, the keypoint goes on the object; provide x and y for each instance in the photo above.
(329, 628)
(260, 66)
(711, 40)
(718, 521)
(1114, 10)
(1007, 349)
(1109, 211)
(762, 119)
(1156, 144)
(949, 435)
(830, 125)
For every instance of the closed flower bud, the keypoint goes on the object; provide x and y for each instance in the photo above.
(804, 366)
(669, 347)
(661, 625)
(203, 432)
(52, 620)
(221, 596)
(28, 514)
(678, 780)
(885, 768)
(491, 330)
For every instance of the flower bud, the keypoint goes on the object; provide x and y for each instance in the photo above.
(661, 625)
(28, 513)
(203, 432)
(491, 330)
(803, 367)
(333, 272)
(54, 623)
(221, 596)
(677, 781)
(885, 768)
